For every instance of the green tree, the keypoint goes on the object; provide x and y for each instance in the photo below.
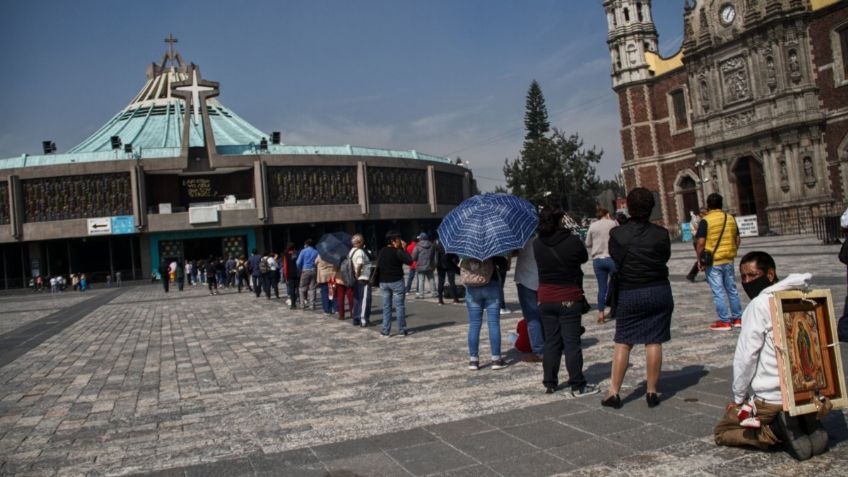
(535, 115)
(552, 168)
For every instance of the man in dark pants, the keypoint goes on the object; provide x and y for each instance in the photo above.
(693, 227)
(163, 274)
(255, 274)
(447, 265)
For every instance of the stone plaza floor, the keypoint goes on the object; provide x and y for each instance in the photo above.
(136, 381)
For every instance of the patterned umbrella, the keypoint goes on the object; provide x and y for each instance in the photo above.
(487, 225)
(334, 247)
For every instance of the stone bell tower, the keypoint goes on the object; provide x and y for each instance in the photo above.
(631, 34)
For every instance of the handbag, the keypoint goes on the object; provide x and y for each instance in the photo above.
(374, 273)
(476, 273)
(374, 276)
(614, 287)
(706, 257)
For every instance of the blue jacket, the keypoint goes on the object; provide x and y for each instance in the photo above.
(306, 259)
(253, 263)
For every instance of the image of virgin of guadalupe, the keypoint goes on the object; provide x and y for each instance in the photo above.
(805, 353)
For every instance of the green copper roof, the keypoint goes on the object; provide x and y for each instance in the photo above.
(153, 124)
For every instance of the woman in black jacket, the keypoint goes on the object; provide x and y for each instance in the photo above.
(640, 250)
(390, 262)
(559, 255)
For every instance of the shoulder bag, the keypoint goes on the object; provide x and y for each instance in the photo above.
(614, 286)
(706, 257)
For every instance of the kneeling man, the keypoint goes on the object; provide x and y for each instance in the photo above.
(760, 420)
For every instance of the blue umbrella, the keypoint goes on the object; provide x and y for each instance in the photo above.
(334, 247)
(487, 225)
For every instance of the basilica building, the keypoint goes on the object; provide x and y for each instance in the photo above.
(177, 175)
(753, 106)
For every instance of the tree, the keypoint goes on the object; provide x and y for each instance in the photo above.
(577, 174)
(535, 115)
(552, 168)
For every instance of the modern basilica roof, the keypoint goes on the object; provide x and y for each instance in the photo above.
(153, 124)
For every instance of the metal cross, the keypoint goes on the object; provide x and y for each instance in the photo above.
(170, 41)
(195, 90)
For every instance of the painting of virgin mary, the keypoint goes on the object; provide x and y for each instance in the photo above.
(805, 352)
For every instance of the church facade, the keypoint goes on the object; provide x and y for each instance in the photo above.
(178, 175)
(753, 106)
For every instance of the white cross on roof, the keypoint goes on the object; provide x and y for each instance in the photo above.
(195, 90)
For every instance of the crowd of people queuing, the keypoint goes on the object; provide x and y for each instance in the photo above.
(75, 282)
(629, 257)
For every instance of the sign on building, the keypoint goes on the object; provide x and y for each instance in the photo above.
(100, 226)
(747, 225)
(123, 224)
(202, 215)
(685, 232)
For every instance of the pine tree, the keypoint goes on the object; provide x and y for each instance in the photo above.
(552, 168)
(535, 114)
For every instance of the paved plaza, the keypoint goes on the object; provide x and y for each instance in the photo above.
(135, 381)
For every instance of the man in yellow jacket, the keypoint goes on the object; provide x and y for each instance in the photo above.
(718, 235)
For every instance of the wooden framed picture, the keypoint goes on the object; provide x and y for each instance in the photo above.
(808, 357)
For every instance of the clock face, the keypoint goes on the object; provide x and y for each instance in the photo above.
(728, 14)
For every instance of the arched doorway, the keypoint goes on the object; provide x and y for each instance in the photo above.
(689, 197)
(751, 196)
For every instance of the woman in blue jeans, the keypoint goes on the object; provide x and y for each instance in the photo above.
(485, 298)
(390, 262)
(597, 239)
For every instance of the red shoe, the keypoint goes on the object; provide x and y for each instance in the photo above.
(737, 323)
(721, 326)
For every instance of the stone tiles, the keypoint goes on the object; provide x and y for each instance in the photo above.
(187, 383)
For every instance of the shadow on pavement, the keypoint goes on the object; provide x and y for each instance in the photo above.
(671, 382)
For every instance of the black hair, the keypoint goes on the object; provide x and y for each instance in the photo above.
(640, 203)
(714, 201)
(391, 235)
(550, 219)
(307, 242)
(763, 260)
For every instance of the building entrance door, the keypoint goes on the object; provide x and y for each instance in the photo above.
(751, 190)
(689, 196)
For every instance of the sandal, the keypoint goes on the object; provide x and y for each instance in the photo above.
(601, 319)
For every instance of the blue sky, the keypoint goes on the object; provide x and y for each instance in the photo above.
(445, 77)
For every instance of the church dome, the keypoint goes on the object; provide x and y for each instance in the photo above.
(154, 118)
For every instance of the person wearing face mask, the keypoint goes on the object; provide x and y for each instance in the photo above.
(756, 382)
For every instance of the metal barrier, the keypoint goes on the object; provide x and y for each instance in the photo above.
(827, 229)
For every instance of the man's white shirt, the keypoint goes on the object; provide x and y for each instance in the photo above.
(755, 361)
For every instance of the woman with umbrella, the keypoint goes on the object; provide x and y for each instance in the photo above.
(559, 255)
(484, 297)
(482, 229)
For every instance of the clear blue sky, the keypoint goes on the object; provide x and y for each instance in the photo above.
(445, 77)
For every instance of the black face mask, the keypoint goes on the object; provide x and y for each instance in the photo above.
(755, 287)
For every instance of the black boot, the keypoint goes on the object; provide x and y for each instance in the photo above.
(795, 441)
